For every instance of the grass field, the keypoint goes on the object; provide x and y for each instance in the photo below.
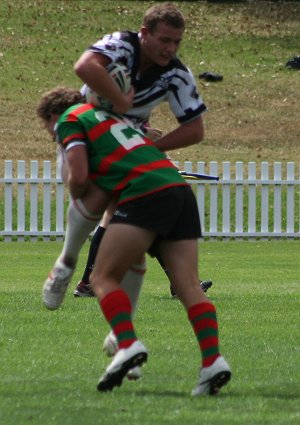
(253, 113)
(51, 361)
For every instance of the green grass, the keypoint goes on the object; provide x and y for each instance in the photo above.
(51, 361)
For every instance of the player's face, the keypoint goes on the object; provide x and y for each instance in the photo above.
(161, 45)
(50, 124)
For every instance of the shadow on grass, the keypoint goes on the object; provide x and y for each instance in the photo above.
(178, 394)
(289, 392)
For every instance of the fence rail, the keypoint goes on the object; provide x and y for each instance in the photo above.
(249, 200)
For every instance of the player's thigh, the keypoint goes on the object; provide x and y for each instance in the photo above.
(122, 245)
(181, 259)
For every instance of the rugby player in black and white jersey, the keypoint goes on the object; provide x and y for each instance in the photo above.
(157, 76)
(172, 83)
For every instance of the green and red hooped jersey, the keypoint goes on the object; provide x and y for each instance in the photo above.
(121, 159)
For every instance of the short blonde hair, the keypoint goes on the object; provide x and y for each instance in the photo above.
(166, 13)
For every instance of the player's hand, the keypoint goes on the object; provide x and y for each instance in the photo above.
(126, 102)
(152, 133)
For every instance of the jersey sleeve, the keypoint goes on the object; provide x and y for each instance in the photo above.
(115, 46)
(70, 131)
(184, 99)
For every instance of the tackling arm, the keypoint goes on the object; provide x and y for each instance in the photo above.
(183, 136)
(91, 69)
(80, 186)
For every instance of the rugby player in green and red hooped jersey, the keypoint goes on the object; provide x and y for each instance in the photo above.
(122, 160)
(155, 207)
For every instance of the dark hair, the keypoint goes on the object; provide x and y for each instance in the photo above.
(166, 13)
(56, 101)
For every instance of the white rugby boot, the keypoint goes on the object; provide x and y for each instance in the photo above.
(110, 347)
(124, 360)
(56, 285)
(213, 378)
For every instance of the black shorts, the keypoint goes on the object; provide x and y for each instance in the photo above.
(170, 213)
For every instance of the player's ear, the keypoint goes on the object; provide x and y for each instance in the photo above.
(144, 31)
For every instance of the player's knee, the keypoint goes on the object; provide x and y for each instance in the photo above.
(95, 284)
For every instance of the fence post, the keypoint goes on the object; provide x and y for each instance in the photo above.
(8, 196)
(47, 199)
(277, 198)
(290, 202)
(34, 198)
(264, 198)
(251, 197)
(213, 207)
(239, 202)
(226, 198)
(21, 199)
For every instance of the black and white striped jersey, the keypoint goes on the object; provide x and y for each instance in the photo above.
(173, 83)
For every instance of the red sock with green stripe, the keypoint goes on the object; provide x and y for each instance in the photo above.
(116, 308)
(204, 321)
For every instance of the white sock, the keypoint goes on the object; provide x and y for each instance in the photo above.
(132, 283)
(80, 223)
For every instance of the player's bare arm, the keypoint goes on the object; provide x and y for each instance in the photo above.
(90, 68)
(183, 136)
(78, 181)
(79, 184)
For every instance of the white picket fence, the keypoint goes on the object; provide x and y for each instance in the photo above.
(249, 200)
